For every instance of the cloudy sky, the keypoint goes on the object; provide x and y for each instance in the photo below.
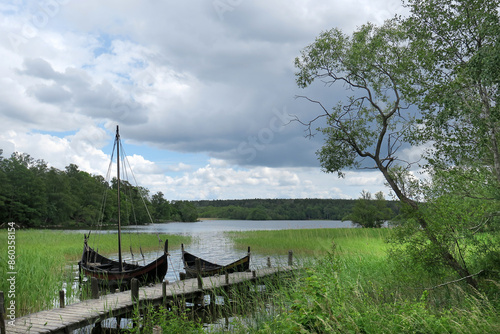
(202, 91)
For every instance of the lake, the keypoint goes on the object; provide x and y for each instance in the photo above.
(210, 243)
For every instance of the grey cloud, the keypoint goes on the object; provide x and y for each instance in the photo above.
(39, 68)
(242, 64)
(50, 94)
(97, 100)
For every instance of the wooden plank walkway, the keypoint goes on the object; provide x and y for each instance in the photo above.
(88, 312)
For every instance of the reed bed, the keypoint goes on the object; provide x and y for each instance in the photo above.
(46, 260)
(349, 285)
(314, 241)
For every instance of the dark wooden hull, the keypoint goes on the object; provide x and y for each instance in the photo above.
(210, 269)
(108, 272)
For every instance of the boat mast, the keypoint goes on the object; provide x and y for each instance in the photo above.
(118, 178)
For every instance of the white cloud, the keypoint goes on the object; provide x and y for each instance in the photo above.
(179, 78)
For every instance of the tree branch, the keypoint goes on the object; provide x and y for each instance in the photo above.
(455, 281)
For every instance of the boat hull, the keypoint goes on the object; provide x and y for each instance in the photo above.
(210, 269)
(108, 272)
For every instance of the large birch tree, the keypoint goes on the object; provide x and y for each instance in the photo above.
(427, 79)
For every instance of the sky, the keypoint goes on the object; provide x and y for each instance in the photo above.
(204, 92)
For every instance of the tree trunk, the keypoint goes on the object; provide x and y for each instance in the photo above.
(448, 258)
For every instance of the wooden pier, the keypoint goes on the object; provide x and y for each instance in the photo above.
(122, 304)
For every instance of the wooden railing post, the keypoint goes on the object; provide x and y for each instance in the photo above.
(94, 286)
(197, 262)
(134, 288)
(164, 291)
(290, 257)
(2, 313)
(61, 299)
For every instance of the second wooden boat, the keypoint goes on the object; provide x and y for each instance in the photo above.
(208, 268)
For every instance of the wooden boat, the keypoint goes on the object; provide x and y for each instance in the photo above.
(208, 268)
(119, 273)
(115, 274)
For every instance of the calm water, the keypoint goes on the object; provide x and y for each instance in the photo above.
(211, 226)
(210, 243)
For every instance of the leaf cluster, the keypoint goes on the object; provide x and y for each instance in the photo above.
(368, 123)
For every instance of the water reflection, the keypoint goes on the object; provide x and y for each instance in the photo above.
(239, 225)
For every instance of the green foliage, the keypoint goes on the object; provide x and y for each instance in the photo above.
(184, 211)
(162, 208)
(368, 212)
(372, 63)
(442, 58)
(34, 195)
(170, 321)
(258, 213)
(456, 87)
(23, 190)
(279, 209)
(350, 293)
(459, 224)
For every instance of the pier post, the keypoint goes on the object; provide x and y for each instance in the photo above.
(227, 277)
(164, 291)
(94, 286)
(198, 272)
(134, 288)
(61, 299)
(2, 314)
(290, 257)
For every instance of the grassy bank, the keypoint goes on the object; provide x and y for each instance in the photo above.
(351, 286)
(316, 242)
(45, 261)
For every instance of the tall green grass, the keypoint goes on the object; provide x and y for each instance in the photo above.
(350, 285)
(170, 321)
(46, 260)
(314, 241)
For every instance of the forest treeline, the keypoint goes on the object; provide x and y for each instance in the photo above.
(35, 195)
(287, 209)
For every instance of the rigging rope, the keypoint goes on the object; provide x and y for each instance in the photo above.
(126, 161)
(100, 219)
(129, 199)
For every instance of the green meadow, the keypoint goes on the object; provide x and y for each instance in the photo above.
(45, 261)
